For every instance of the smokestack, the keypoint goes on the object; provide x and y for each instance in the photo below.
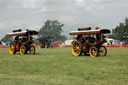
(85, 28)
(19, 30)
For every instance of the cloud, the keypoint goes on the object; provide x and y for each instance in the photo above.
(80, 3)
(29, 4)
(73, 13)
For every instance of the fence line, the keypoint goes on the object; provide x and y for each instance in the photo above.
(69, 46)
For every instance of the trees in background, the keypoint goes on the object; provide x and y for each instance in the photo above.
(121, 31)
(6, 38)
(52, 28)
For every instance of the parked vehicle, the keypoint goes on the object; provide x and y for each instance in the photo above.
(45, 41)
(89, 41)
(23, 42)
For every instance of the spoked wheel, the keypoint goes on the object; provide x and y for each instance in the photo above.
(32, 50)
(102, 51)
(22, 50)
(93, 51)
(12, 48)
(76, 48)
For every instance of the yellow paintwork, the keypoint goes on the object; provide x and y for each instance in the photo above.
(11, 48)
(22, 50)
(31, 51)
(93, 51)
(102, 51)
(76, 50)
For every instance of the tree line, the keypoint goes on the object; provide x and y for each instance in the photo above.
(53, 28)
(121, 31)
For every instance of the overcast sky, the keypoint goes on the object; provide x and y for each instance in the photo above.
(31, 14)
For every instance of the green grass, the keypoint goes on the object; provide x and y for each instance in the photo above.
(58, 67)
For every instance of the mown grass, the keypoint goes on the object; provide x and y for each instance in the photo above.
(58, 67)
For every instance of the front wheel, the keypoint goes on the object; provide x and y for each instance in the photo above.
(22, 50)
(32, 50)
(102, 51)
(93, 51)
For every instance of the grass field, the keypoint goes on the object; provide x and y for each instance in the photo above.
(58, 67)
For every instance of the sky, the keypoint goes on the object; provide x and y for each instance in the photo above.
(31, 14)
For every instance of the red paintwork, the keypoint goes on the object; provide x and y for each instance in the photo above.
(25, 38)
(87, 42)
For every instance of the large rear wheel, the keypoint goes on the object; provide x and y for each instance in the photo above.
(32, 50)
(12, 47)
(22, 49)
(102, 51)
(93, 51)
(76, 48)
